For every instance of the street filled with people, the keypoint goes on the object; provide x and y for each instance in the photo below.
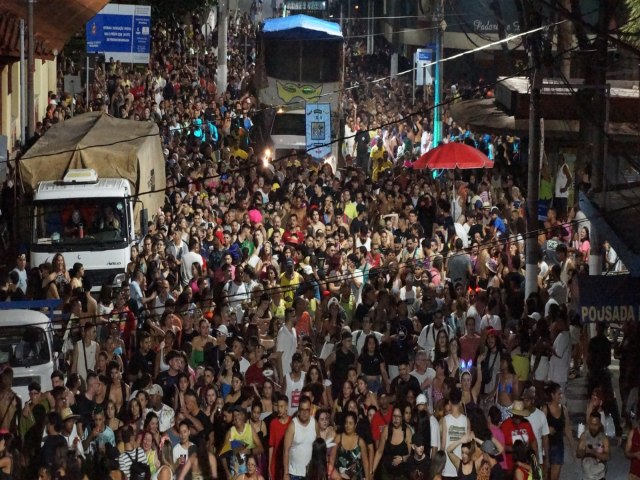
(288, 320)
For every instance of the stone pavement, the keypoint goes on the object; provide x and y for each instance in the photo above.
(618, 466)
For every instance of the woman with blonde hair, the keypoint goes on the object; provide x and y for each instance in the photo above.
(59, 276)
(166, 469)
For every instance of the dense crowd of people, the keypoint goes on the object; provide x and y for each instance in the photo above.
(289, 321)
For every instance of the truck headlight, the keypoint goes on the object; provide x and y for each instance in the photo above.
(266, 156)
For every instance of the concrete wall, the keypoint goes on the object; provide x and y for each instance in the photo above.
(44, 81)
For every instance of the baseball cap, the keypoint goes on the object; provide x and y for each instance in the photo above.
(418, 440)
(493, 332)
(155, 389)
(421, 400)
(489, 448)
(536, 316)
(223, 330)
(333, 301)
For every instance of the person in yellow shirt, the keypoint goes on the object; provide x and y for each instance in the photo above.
(289, 281)
(237, 152)
(377, 151)
(380, 166)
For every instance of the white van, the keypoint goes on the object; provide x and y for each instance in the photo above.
(288, 132)
(26, 345)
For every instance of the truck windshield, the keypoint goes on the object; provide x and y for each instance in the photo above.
(66, 224)
(289, 124)
(24, 347)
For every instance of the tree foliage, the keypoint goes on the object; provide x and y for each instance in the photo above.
(631, 28)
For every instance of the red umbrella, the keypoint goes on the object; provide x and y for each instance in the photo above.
(453, 155)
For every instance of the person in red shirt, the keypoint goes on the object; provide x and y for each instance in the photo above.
(517, 428)
(277, 431)
(470, 341)
(382, 417)
(293, 234)
(254, 376)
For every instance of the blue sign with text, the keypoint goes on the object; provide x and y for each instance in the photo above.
(121, 32)
(318, 129)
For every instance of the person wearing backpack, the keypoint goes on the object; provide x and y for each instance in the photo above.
(133, 461)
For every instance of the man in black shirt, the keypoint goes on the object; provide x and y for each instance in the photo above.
(143, 358)
(338, 362)
(200, 425)
(403, 383)
(418, 464)
(53, 440)
(168, 379)
(362, 148)
(85, 402)
(599, 357)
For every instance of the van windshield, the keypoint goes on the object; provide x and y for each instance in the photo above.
(24, 347)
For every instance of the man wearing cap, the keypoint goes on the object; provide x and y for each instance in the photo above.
(215, 356)
(517, 427)
(166, 415)
(419, 462)
(70, 432)
(422, 407)
(490, 450)
(539, 424)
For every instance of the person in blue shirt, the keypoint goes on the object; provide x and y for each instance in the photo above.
(499, 226)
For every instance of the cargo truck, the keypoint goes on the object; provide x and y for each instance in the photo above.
(94, 181)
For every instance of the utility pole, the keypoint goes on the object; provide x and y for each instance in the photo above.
(223, 26)
(31, 100)
(535, 53)
(24, 132)
(438, 18)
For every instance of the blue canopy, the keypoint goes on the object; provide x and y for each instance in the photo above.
(301, 27)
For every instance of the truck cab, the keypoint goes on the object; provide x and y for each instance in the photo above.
(89, 220)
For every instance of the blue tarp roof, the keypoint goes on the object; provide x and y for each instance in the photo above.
(301, 27)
